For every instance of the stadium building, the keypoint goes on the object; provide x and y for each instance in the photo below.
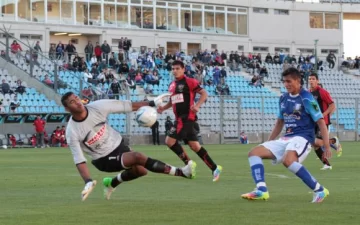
(249, 26)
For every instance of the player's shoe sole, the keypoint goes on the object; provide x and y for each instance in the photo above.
(256, 195)
(108, 190)
(216, 173)
(85, 194)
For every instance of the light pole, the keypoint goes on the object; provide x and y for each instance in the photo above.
(316, 58)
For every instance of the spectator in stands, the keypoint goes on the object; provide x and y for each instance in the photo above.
(60, 49)
(306, 68)
(89, 51)
(115, 88)
(155, 133)
(282, 56)
(101, 77)
(71, 50)
(133, 58)
(124, 67)
(268, 58)
(200, 78)
(112, 61)
(331, 60)
(37, 50)
(105, 49)
(98, 52)
(16, 49)
(256, 81)
(127, 46)
(94, 71)
(88, 93)
(263, 72)
(102, 65)
(63, 137)
(93, 60)
(5, 87)
(87, 76)
(121, 44)
(1, 103)
(234, 66)
(243, 138)
(39, 128)
(301, 59)
(223, 75)
(276, 58)
(3, 54)
(286, 65)
(56, 137)
(14, 104)
(168, 125)
(52, 52)
(139, 80)
(293, 59)
(216, 76)
(258, 58)
(12, 140)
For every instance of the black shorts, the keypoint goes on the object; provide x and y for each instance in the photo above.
(113, 161)
(187, 132)
(317, 131)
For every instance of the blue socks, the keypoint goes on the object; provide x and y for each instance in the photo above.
(300, 171)
(257, 171)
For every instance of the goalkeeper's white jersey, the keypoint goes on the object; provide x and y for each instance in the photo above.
(94, 135)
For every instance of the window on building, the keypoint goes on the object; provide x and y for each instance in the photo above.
(173, 20)
(161, 21)
(281, 12)
(196, 17)
(209, 22)
(220, 22)
(327, 51)
(213, 46)
(260, 49)
(2, 35)
(31, 37)
(316, 20)
(122, 15)
(242, 24)
(332, 21)
(240, 48)
(261, 10)
(148, 16)
(284, 49)
(231, 23)
(305, 50)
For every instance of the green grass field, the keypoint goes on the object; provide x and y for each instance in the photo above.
(42, 187)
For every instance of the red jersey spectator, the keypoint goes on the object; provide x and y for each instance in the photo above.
(56, 137)
(39, 128)
(98, 52)
(13, 140)
(15, 47)
(63, 136)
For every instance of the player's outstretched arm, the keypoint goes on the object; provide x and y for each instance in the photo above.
(89, 183)
(203, 96)
(84, 171)
(277, 129)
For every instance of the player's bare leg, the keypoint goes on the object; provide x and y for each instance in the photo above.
(174, 145)
(203, 154)
(319, 152)
(126, 175)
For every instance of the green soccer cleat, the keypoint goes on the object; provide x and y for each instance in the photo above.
(108, 190)
(256, 195)
(189, 170)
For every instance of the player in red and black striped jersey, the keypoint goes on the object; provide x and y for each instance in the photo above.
(327, 107)
(182, 100)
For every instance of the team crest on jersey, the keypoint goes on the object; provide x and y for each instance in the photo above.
(315, 106)
(297, 109)
(180, 87)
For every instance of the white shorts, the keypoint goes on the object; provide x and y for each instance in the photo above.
(283, 144)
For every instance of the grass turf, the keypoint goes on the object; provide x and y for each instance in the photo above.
(41, 186)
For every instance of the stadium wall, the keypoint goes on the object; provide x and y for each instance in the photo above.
(264, 30)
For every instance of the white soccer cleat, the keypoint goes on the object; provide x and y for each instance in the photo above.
(108, 190)
(189, 170)
(326, 167)
(89, 187)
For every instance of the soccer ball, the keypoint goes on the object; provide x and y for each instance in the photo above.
(146, 116)
(4, 146)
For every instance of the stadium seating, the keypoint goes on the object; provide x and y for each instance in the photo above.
(343, 89)
(30, 102)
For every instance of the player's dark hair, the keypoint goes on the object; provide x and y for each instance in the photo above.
(178, 63)
(314, 75)
(293, 72)
(65, 97)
